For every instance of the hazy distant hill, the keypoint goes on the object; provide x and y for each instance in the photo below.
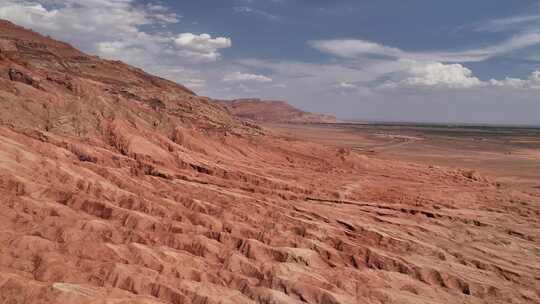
(273, 111)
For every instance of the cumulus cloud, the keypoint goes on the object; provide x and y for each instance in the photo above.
(246, 77)
(436, 74)
(203, 45)
(532, 82)
(203, 42)
(414, 74)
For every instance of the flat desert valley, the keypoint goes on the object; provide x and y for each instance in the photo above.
(507, 154)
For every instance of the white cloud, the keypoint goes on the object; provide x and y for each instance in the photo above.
(417, 74)
(346, 86)
(436, 74)
(156, 7)
(396, 68)
(70, 17)
(391, 67)
(510, 22)
(532, 82)
(312, 81)
(355, 48)
(253, 11)
(375, 76)
(351, 48)
(202, 42)
(246, 77)
(529, 23)
(203, 46)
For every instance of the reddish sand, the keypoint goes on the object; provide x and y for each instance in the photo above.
(120, 187)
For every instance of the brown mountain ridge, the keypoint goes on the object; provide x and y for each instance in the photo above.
(119, 187)
(273, 111)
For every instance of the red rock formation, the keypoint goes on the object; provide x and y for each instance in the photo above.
(120, 187)
(273, 111)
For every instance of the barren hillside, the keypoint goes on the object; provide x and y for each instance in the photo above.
(273, 111)
(120, 187)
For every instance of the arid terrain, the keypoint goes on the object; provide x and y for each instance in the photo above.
(117, 186)
(509, 154)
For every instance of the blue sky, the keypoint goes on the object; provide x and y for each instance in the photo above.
(419, 60)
